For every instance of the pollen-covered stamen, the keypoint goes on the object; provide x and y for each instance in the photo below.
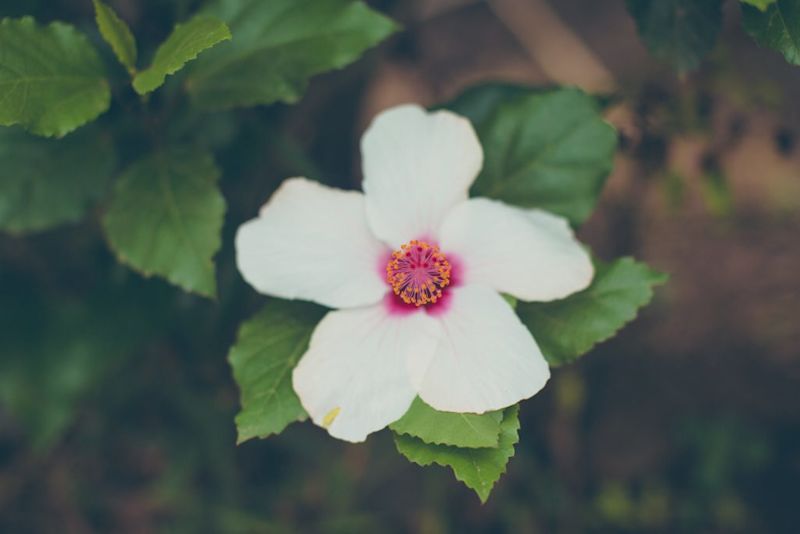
(418, 273)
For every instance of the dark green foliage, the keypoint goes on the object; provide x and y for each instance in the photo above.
(776, 27)
(681, 32)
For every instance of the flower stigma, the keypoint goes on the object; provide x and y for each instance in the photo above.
(418, 272)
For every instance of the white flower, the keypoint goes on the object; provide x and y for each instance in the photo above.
(414, 270)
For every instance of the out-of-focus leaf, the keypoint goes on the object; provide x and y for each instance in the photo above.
(547, 149)
(278, 46)
(183, 45)
(166, 217)
(778, 27)
(267, 349)
(45, 182)
(567, 329)
(760, 4)
(448, 428)
(117, 34)
(55, 350)
(478, 469)
(716, 193)
(51, 78)
(681, 32)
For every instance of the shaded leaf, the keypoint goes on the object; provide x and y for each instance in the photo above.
(45, 182)
(547, 149)
(479, 102)
(279, 45)
(58, 350)
(478, 469)
(117, 34)
(266, 351)
(567, 329)
(778, 27)
(51, 78)
(183, 45)
(166, 217)
(448, 428)
(681, 32)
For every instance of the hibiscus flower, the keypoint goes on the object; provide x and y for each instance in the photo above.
(414, 271)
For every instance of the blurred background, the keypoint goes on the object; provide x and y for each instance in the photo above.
(117, 403)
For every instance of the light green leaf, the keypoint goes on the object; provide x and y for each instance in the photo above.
(760, 4)
(267, 349)
(44, 182)
(166, 217)
(478, 469)
(279, 45)
(778, 27)
(567, 329)
(546, 149)
(117, 34)
(51, 79)
(183, 45)
(681, 32)
(448, 428)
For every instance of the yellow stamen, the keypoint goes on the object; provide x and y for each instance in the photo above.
(327, 421)
(418, 272)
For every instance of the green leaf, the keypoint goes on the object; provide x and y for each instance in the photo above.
(548, 149)
(166, 217)
(44, 182)
(567, 329)
(760, 4)
(58, 350)
(681, 32)
(267, 349)
(279, 45)
(43, 379)
(778, 27)
(448, 428)
(117, 34)
(52, 79)
(478, 469)
(183, 45)
(479, 102)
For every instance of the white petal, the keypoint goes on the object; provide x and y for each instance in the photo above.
(530, 254)
(417, 165)
(311, 242)
(485, 360)
(353, 379)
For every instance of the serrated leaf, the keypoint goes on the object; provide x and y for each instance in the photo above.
(448, 428)
(478, 469)
(567, 329)
(279, 45)
(479, 102)
(183, 45)
(51, 78)
(681, 32)
(117, 34)
(166, 216)
(760, 4)
(44, 182)
(778, 27)
(267, 349)
(548, 149)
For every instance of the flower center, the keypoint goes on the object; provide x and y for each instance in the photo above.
(418, 273)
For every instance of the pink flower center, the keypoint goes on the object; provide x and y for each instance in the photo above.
(418, 273)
